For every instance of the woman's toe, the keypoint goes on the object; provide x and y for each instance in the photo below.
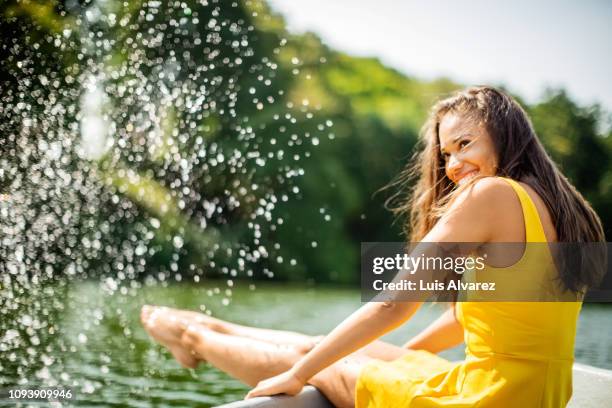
(145, 313)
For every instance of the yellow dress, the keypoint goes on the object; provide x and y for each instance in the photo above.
(518, 354)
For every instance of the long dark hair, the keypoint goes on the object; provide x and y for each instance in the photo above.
(521, 157)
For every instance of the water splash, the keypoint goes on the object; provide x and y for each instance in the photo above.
(142, 143)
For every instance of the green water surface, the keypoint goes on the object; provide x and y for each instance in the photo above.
(109, 360)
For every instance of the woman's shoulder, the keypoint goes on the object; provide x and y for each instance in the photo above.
(490, 192)
(490, 207)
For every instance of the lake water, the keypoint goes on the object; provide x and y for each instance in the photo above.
(110, 361)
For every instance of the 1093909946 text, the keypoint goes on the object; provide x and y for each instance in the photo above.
(36, 394)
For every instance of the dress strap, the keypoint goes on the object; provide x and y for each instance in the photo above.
(534, 232)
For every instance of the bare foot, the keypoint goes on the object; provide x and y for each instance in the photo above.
(193, 338)
(166, 327)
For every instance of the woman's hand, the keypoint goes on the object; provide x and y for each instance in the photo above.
(285, 383)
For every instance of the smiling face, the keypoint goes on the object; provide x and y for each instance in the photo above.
(467, 148)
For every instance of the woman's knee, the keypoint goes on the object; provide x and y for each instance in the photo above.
(337, 382)
(307, 345)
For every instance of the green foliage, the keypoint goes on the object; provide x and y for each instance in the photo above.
(377, 113)
(365, 125)
(571, 135)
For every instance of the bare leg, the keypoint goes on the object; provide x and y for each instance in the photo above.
(338, 381)
(247, 360)
(252, 360)
(267, 335)
(377, 349)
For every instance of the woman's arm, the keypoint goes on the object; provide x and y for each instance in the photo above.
(373, 321)
(367, 324)
(442, 334)
(362, 327)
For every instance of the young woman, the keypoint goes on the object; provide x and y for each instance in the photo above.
(483, 177)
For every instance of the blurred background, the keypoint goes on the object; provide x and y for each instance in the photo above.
(227, 156)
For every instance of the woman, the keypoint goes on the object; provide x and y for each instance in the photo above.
(483, 177)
